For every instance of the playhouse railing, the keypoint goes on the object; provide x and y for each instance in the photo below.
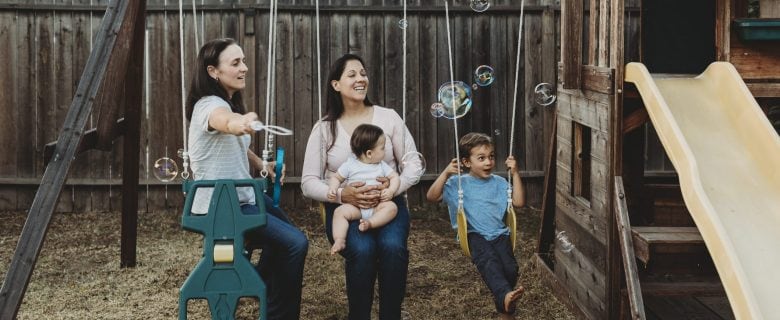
(627, 249)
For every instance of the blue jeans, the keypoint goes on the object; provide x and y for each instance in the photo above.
(496, 263)
(281, 261)
(381, 252)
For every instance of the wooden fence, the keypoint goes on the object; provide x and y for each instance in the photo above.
(46, 43)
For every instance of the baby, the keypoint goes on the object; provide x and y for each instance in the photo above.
(368, 146)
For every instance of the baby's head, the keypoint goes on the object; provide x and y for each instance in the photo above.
(368, 143)
(477, 154)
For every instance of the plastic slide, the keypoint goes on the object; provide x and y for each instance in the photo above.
(727, 157)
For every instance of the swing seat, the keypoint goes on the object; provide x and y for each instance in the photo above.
(509, 219)
(224, 274)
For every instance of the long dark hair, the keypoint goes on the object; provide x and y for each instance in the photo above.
(203, 85)
(334, 106)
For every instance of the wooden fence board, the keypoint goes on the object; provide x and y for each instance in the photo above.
(259, 70)
(8, 105)
(478, 119)
(391, 49)
(414, 111)
(549, 66)
(371, 43)
(25, 103)
(339, 39)
(501, 56)
(249, 33)
(165, 83)
(428, 139)
(304, 107)
(445, 144)
(45, 99)
(285, 81)
(534, 121)
(356, 36)
(462, 33)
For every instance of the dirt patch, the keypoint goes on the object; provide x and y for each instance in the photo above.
(77, 275)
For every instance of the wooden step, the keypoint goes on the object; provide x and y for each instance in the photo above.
(664, 239)
(687, 308)
(712, 288)
(684, 297)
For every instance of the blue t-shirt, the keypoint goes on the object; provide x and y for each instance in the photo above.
(484, 201)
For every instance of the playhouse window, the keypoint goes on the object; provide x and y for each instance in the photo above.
(678, 36)
(581, 161)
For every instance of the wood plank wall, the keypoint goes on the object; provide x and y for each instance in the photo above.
(583, 271)
(48, 41)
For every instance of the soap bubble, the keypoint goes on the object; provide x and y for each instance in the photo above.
(165, 169)
(563, 241)
(403, 23)
(437, 109)
(414, 161)
(456, 99)
(480, 5)
(483, 75)
(544, 94)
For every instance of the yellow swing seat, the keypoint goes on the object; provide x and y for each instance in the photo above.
(510, 220)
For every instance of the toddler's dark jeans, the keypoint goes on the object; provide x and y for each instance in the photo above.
(497, 265)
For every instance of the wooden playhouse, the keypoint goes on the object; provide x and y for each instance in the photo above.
(617, 239)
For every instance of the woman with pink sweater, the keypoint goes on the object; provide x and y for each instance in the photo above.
(379, 253)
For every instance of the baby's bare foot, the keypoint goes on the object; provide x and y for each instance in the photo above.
(511, 297)
(338, 245)
(364, 225)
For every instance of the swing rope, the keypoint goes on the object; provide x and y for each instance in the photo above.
(461, 220)
(271, 76)
(202, 23)
(405, 25)
(195, 26)
(319, 76)
(185, 174)
(511, 218)
(452, 101)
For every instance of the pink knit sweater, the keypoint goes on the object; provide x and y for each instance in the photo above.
(319, 165)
